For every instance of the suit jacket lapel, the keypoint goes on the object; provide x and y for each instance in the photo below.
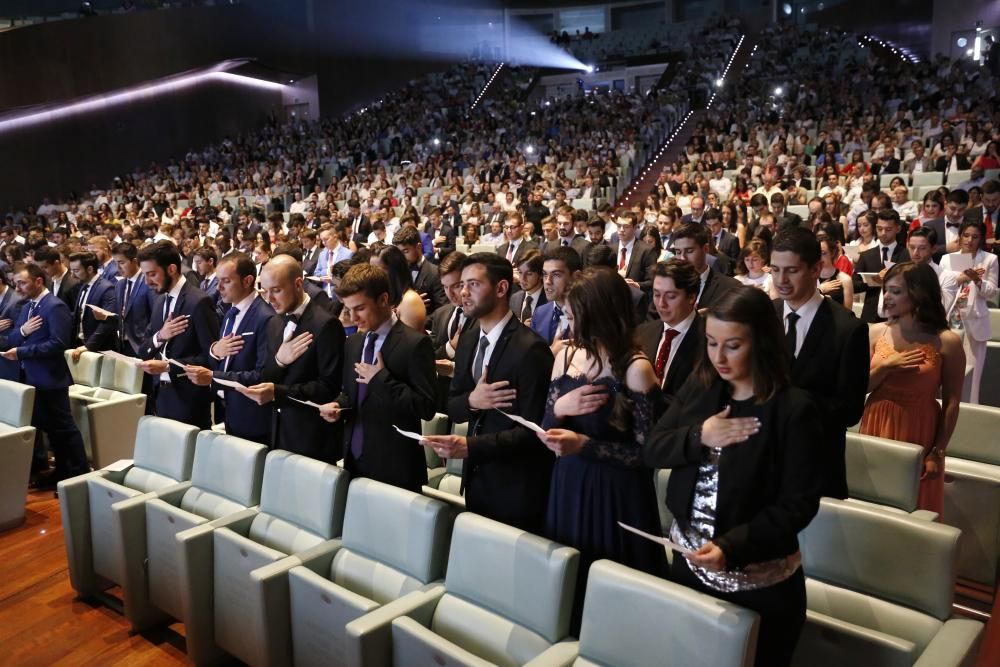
(391, 339)
(501, 345)
(822, 322)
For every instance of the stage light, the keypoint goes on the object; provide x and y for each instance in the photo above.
(778, 91)
(437, 142)
(529, 149)
(588, 68)
(718, 83)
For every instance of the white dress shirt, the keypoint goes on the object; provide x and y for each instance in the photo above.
(172, 296)
(493, 335)
(807, 313)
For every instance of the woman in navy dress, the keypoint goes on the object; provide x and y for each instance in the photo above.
(603, 400)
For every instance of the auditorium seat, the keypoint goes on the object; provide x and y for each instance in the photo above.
(972, 493)
(107, 413)
(225, 480)
(585, 204)
(436, 425)
(102, 510)
(446, 484)
(995, 324)
(301, 512)
(621, 628)
(935, 178)
(17, 441)
(802, 210)
(885, 473)
(86, 371)
(342, 605)
(506, 600)
(989, 391)
(957, 176)
(879, 591)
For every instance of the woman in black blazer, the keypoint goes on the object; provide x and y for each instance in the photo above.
(746, 476)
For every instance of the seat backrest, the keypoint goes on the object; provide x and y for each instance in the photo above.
(226, 468)
(620, 603)
(883, 554)
(975, 436)
(16, 403)
(299, 494)
(886, 472)
(995, 324)
(121, 376)
(523, 577)
(87, 369)
(163, 447)
(402, 529)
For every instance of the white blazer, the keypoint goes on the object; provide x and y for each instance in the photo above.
(976, 314)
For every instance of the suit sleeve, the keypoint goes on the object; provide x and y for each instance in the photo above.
(848, 405)
(532, 389)
(251, 377)
(206, 330)
(798, 498)
(859, 268)
(417, 395)
(103, 337)
(60, 324)
(648, 262)
(329, 357)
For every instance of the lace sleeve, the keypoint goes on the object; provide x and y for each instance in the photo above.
(550, 420)
(648, 407)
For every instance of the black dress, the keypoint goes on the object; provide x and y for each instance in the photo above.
(837, 295)
(605, 483)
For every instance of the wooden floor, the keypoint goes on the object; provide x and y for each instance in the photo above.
(41, 622)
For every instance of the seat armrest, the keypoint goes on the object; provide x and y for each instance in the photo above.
(955, 645)
(368, 640)
(422, 646)
(172, 494)
(562, 654)
(74, 506)
(924, 515)
(113, 427)
(320, 562)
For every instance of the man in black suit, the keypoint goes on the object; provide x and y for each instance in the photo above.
(359, 227)
(782, 216)
(988, 214)
(500, 364)
(634, 259)
(388, 382)
(877, 260)
(447, 324)
(691, 245)
(515, 247)
(182, 327)
(726, 243)
(60, 281)
(306, 352)
(676, 341)
(697, 214)
(567, 237)
(204, 261)
(425, 275)
(525, 302)
(91, 332)
(309, 240)
(442, 236)
(827, 344)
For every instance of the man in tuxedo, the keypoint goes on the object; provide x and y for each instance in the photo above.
(442, 237)
(182, 327)
(304, 363)
(447, 324)
(241, 351)
(107, 267)
(388, 382)
(360, 226)
(500, 364)
(827, 347)
(633, 258)
(691, 245)
(36, 342)
(677, 340)
(560, 268)
(526, 301)
(567, 236)
(425, 275)
(134, 302)
(885, 253)
(90, 332)
(515, 247)
(726, 243)
(60, 282)
(309, 240)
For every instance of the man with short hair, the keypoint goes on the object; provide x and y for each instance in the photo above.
(922, 247)
(515, 247)
(634, 258)
(988, 214)
(560, 267)
(691, 245)
(388, 381)
(447, 324)
(183, 325)
(566, 235)
(500, 365)
(425, 275)
(782, 216)
(826, 344)
(101, 247)
(36, 342)
(443, 237)
(90, 332)
(309, 240)
(697, 211)
(305, 352)
(677, 340)
(726, 243)
(60, 281)
(901, 203)
(877, 260)
(526, 301)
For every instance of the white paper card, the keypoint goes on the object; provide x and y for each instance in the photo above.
(408, 434)
(119, 465)
(98, 309)
(654, 538)
(309, 403)
(229, 383)
(869, 278)
(960, 261)
(174, 362)
(523, 422)
(315, 279)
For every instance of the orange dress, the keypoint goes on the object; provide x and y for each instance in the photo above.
(905, 408)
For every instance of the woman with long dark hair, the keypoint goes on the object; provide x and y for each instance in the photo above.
(913, 356)
(743, 482)
(603, 400)
(409, 306)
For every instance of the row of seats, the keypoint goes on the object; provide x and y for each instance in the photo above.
(17, 442)
(274, 559)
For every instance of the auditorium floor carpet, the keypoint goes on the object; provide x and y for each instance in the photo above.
(42, 623)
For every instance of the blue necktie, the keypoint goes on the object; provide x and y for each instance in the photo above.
(557, 314)
(358, 435)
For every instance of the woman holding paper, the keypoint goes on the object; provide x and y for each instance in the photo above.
(603, 399)
(746, 476)
(969, 316)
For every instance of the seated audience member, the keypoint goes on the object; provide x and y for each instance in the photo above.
(753, 267)
(741, 520)
(388, 381)
(914, 357)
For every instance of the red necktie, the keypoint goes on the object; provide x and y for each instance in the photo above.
(510, 253)
(621, 260)
(664, 354)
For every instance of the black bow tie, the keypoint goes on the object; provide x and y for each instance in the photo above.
(956, 225)
(292, 317)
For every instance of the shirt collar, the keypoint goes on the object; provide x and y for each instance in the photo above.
(245, 304)
(493, 335)
(386, 326)
(302, 306)
(176, 290)
(891, 247)
(807, 309)
(90, 283)
(45, 293)
(685, 324)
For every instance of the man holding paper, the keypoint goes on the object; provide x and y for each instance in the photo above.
(878, 260)
(388, 380)
(90, 332)
(241, 351)
(500, 364)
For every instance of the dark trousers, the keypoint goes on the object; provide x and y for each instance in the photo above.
(171, 405)
(782, 610)
(52, 416)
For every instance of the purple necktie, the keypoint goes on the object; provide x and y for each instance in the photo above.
(358, 435)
